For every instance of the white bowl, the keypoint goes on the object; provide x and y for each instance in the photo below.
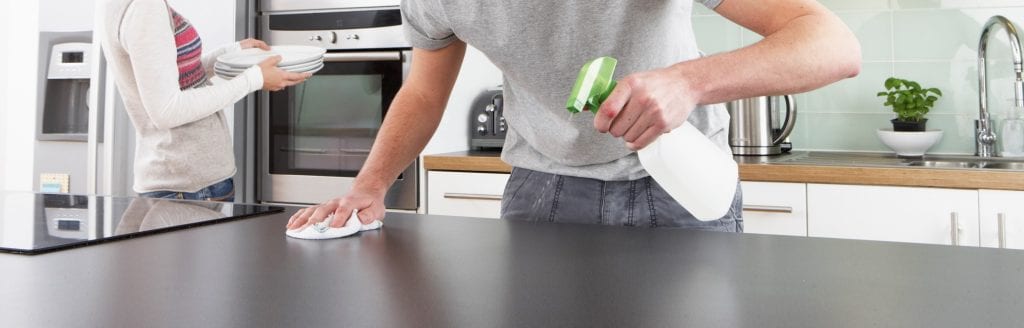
(909, 144)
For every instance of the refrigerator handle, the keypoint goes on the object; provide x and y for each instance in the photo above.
(97, 88)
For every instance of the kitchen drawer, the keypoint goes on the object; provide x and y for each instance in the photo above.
(465, 194)
(775, 208)
(900, 214)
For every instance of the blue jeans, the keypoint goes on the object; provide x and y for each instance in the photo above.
(223, 191)
(543, 197)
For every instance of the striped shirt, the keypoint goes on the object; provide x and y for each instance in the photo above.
(190, 53)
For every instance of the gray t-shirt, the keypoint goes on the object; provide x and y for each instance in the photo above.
(540, 47)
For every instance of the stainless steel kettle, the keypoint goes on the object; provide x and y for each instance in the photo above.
(755, 128)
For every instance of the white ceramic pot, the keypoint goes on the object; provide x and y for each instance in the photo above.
(909, 144)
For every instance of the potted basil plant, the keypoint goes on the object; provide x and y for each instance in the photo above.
(910, 102)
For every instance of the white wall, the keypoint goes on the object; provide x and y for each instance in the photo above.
(477, 75)
(4, 31)
(66, 15)
(20, 103)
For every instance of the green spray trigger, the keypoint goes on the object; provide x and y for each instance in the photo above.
(593, 85)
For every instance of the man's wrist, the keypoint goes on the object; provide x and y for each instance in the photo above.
(378, 188)
(689, 78)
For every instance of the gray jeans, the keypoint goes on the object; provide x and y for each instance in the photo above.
(543, 197)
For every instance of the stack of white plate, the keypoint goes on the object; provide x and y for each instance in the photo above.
(297, 59)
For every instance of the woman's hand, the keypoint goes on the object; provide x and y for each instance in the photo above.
(254, 43)
(275, 79)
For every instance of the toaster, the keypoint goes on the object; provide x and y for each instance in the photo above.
(486, 123)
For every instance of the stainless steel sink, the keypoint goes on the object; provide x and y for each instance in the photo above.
(1017, 166)
(965, 162)
(946, 164)
(889, 160)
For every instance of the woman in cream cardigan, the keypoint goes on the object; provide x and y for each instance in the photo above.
(183, 146)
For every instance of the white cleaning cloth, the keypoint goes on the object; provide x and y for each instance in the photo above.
(323, 229)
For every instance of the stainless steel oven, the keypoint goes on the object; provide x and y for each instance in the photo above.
(315, 137)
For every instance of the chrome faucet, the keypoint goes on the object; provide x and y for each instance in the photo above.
(984, 136)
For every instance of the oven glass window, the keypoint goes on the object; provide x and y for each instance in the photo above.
(326, 125)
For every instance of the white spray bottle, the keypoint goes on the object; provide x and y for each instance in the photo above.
(698, 174)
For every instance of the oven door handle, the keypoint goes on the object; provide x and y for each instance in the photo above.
(304, 150)
(326, 151)
(345, 57)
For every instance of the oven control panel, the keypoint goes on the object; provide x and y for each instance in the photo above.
(379, 28)
(294, 5)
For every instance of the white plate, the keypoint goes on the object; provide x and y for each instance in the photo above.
(302, 67)
(227, 76)
(313, 69)
(225, 67)
(232, 74)
(229, 70)
(226, 73)
(290, 55)
(294, 68)
(220, 70)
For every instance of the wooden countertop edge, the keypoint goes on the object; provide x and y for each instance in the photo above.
(852, 175)
(888, 176)
(485, 164)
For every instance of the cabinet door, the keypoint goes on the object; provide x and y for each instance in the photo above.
(465, 194)
(1008, 205)
(901, 214)
(775, 208)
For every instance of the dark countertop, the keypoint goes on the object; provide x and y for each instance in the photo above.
(423, 271)
(855, 168)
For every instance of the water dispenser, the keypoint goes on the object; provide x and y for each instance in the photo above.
(65, 113)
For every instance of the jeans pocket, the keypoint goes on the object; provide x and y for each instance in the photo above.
(737, 208)
(516, 181)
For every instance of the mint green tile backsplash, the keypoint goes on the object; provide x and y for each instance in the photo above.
(931, 41)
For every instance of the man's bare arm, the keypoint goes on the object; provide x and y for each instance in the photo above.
(412, 119)
(805, 47)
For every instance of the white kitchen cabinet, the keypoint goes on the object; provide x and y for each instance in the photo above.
(465, 193)
(900, 214)
(775, 208)
(1005, 206)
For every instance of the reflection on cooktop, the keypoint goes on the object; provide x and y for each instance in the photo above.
(40, 223)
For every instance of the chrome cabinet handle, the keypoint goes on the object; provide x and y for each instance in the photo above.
(954, 231)
(452, 195)
(1002, 229)
(768, 208)
(341, 57)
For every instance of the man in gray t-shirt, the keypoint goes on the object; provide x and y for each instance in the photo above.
(584, 169)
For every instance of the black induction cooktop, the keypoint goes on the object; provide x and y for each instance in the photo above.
(33, 223)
